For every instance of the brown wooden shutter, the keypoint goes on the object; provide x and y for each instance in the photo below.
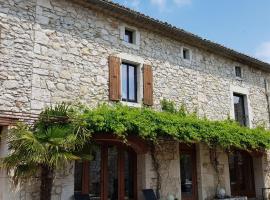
(147, 85)
(114, 78)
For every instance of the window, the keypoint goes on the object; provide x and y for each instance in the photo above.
(239, 109)
(186, 54)
(129, 82)
(129, 36)
(238, 72)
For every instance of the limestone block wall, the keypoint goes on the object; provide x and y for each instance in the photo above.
(54, 51)
(57, 50)
(167, 154)
(207, 176)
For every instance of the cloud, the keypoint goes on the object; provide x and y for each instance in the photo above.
(166, 5)
(132, 3)
(263, 51)
(160, 3)
(182, 2)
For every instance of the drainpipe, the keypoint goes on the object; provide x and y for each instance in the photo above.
(267, 94)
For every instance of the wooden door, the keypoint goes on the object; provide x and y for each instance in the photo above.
(188, 172)
(241, 174)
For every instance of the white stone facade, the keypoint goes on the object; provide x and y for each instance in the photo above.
(57, 50)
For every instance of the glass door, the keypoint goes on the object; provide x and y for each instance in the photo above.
(188, 172)
(110, 175)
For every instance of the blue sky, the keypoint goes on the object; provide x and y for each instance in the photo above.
(243, 25)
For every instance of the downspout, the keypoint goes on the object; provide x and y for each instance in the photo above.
(267, 94)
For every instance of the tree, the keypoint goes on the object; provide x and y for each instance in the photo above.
(56, 138)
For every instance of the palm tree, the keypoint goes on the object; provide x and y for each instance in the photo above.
(55, 139)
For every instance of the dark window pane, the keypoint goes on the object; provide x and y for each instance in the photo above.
(78, 176)
(238, 72)
(132, 82)
(124, 81)
(129, 83)
(239, 109)
(129, 176)
(95, 174)
(241, 174)
(128, 36)
(186, 54)
(112, 174)
(186, 174)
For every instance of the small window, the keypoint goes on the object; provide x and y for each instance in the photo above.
(238, 72)
(186, 54)
(129, 36)
(129, 82)
(239, 109)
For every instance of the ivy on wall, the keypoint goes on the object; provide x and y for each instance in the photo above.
(171, 123)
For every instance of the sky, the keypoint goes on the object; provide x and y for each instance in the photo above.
(243, 25)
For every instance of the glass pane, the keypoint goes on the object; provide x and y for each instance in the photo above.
(78, 176)
(129, 178)
(95, 174)
(239, 109)
(112, 174)
(186, 174)
(238, 72)
(124, 81)
(131, 74)
(128, 36)
(233, 175)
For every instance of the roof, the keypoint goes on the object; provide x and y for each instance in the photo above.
(163, 28)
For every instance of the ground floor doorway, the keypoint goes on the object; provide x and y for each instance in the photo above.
(110, 175)
(188, 172)
(241, 174)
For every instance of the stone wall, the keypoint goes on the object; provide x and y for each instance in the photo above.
(207, 176)
(57, 50)
(53, 51)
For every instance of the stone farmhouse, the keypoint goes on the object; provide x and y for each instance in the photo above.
(97, 51)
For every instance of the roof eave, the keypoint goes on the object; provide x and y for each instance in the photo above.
(141, 20)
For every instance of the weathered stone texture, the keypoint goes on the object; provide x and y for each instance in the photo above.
(57, 50)
(167, 154)
(16, 49)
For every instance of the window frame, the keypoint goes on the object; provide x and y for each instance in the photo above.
(238, 76)
(248, 109)
(136, 36)
(131, 35)
(104, 142)
(186, 54)
(243, 97)
(128, 65)
(248, 164)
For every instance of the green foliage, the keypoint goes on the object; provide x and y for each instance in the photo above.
(179, 125)
(168, 106)
(55, 139)
(63, 133)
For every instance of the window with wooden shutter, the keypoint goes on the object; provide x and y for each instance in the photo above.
(147, 85)
(114, 78)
